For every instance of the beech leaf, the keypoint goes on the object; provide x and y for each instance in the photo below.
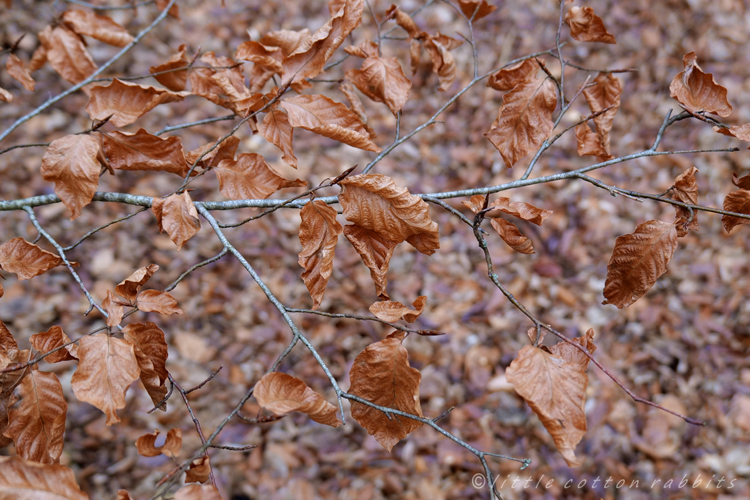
(476, 9)
(382, 80)
(585, 26)
(198, 492)
(288, 41)
(741, 182)
(404, 20)
(106, 368)
(318, 234)
(25, 259)
(199, 470)
(173, 80)
(66, 53)
(143, 151)
(226, 150)
(126, 102)
(250, 177)
(130, 286)
(588, 143)
(146, 444)
(37, 421)
(393, 311)
(177, 215)
(113, 308)
(381, 374)
(443, 64)
(475, 203)
(685, 190)
(355, 104)
(17, 70)
(281, 393)
(524, 121)
(71, 162)
(321, 115)
(104, 29)
(638, 260)
(512, 236)
(698, 91)
(376, 253)
(509, 77)
(522, 210)
(603, 93)
(53, 338)
(739, 202)
(5, 95)
(25, 480)
(741, 132)
(553, 382)
(158, 302)
(275, 128)
(151, 354)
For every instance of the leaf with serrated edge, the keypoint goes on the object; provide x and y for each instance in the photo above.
(25, 259)
(25, 480)
(638, 260)
(250, 177)
(71, 163)
(698, 91)
(393, 311)
(106, 368)
(280, 393)
(554, 386)
(381, 374)
(318, 234)
(177, 215)
(376, 253)
(146, 444)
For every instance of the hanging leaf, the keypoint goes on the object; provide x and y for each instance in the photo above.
(738, 202)
(143, 151)
(151, 354)
(553, 382)
(318, 234)
(177, 215)
(588, 142)
(512, 236)
(275, 128)
(475, 203)
(585, 26)
(7, 342)
(741, 132)
(66, 53)
(126, 102)
(25, 480)
(146, 444)
(130, 286)
(685, 190)
(698, 91)
(382, 80)
(319, 114)
(250, 177)
(281, 393)
(443, 65)
(509, 77)
(71, 163)
(741, 182)
(374, 202)
(393, 311)
(268, 57)
(5, 95)
(524, 121)
(16, 69)
(104, 29)
(476, 9)
(158, 302)
(308, 60)
(603, 93)
(288, 41)
(37, 421)
(226, 150)
(364, 49)
(199, 470)
(198, 492)
(638, 260)
(404, 20)
(106, 368)
(355, 104)
(25, 259)
(522, 210)
(381, 374)
(173, 80)
(113, 308)
(376, 253)
(53, 338)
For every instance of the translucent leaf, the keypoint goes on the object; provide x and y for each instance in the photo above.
(130, 286)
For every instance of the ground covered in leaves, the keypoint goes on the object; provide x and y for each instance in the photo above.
(684, 345)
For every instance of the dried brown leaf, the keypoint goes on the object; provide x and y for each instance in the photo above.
(250, 177)
(741, 182)
(37, 420)
(509, 77)
(588, 142)
(198, 492)
(698, 91)
(319, 114)
(104, 29)
(638, 260)
(174, 80)
(146, 444)
(318, 234)
(25, 259)
(393, 311)
(25, 480)
(158, 302)
(66, 53)
(404, 20)
(524, 121)
(364, 49)
(276, 129)
(7, 342)
(685, 190)
(106, 368)
(126, 102)
(281, 393)
(443, 63)
(475, 203)
(143, 151)
(375, 252)
(288, 41)
(522, 210)
(355, 104)
(16, 69)
(382, 80)
(130, 286)
(268, 57)
(381, 374)
(585, 26)
(226, 150)
(53, 338)
(5, 95)
(177, 215)
(113, 308)
(512, 236)
(482, 9)
(741, 132)
(199, 470)
(71, 163)
(374, 202)
(603, 93)
(554, 386)
(739, 202)
(38, 59)
(151, 353)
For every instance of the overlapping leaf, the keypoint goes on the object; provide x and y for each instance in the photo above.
(275, 128)
(25, 259)
(603, 93)
(522, 210)
(146, 444)
(113, 308)
(103, 28)
(391, 311)
(130, 286)
(281, 393)
(685, 189)
(226, 150)
(151, 354)
(355, 104)
(66, 53)
(177, 215)
(588, 142)
(126, 102)
(509, 77)
(158, 302)
(250, 177)
(17, 70)
(511, 235)
(318, 234)
(739, 202)
(375, 251)
(53, 338)
(585, 26)
(553, 382)
(199, 470)
(381, 374)
(382, 80)
(25, 480)
(438, 47)
(698, 91)
(638, 260)
(143, 151)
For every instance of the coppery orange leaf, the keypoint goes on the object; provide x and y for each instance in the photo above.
(276, 129)
(443, 65)
(739, 202)
(364, 49)
(512, 236)
(143, 151)
(588, 143)
(281, 393)
(158, 302)
(604, 92)
(524, 121)
(106, 368)
(151, 353)
(177, 215)
(685, 190)
(288, 41)
(51, 339)
(741, 132)
(382, 80)
(173, 80)
(476, 8)
(114, 310)
(17, 70)
(71, 163)
(698, 91)
(198, 492)
(522, 210)
(66, 53)
(585, 26)
(375, 251)
(475, 203)
(199, 470)
(553, 382)
(638, 260)
(126, 102)
(130, 286)
(509, 77)
(5, 95)
(741, 182)
(225, 151)
(25, 259)
(104, 29)
(146, 444)
(355, 104)
(404, 20)
(393, 311)
(268, 57)
(7, 342)
(250, 177)
(318, 234)
(381, 374)
(25, 480)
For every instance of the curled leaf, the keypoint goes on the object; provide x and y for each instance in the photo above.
(151, 354)
(509, 77)
(512, 236)
(355, 104)
(199, 470)
(588, 143)
(443, 65)
(393, 311)
(143, 151)
(16, 69)
(638, 260)
(741, 132)
(198, 492)
(318, 234)
(476, 9)
(739, 202)
(25, 259)
(130, 286)
(26, 480)
(146, 444)
(53, 338)
(698, 91)
(404, 20)
(173, 80)
(281, 393)
(177, 215)
(603, 93)
(276, 129)
(475, 203)
(741, 182)
(382, 80)
(250, 177)
(585, 26)
(103, 28)
(685, 190)
(522, 210)
(226, 150)
(66, 53)
(126, 102)
(113, 308)
(376, 253)
(158, 302)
